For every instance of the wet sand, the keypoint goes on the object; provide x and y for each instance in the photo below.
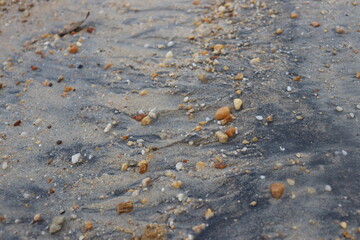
(293, 64)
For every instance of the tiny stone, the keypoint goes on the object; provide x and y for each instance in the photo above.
(199, 228)
(259, 118)
(177, 184)
(278, 31)
(107, 128)
(339, 30)
(199, 166)
(339, 109)
(124, 167)
(170, 44)
(358, 106)
(288, 89)
(180, 197)
(37, 218)
(222, 137)
(311, 190)
(76, 158)
(343, 225)
(146, 182)
(237, 103)
(208, 214)
(169, 54)
(290, 182)
(4, 165)
(179, 166)
(277, 189)
(327, 188)
(57, 224)
(37, 122)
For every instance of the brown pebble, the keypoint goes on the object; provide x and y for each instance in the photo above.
(339, 30)
(222, 113)
(269, 119)
(230, 132)
(73, 49)
(239, 76)
(37, 218)
(296, 78)
(58, 142)
(220, 165)
(143, 166)
(199, 166)
(125, 207)
(357, 75)
(17, 123)
(139, 117)
(278, 31)
(293, 15)
(88, 225)
(277, 189)
(222, 137)
(34, 68)
(107, 66)
(177, 184)
(146, 121)
(67, 89)
(315, 24)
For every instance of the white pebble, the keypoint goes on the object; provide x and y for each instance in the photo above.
(108, 128)
(186, 99)
(180, 197)
(327, 188)
(358, 106)
(179, 166)
(262, 177)
(146, 45)
(170, 44)
(339, 109)
(259, 118)
(75, 158)
(344, 152)
(37, 122)
(23, 134)
(4, 165)
(288, 89)
(352, 115)
(169, 54)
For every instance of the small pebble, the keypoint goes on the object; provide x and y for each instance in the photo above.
(238, 103)
(339, 109)
(290, 182)
(343, 225)
(199, 166)
(56, 224)
(37, 122)
(108, 128)
(260, 118)
(177, 184)
(277, 189)
(76, 158)
(208, 214)
(222, 137)
(169, 54)
(4, 165)
(179, 166)
(288, 89)
(146, 182)
(327, 188)
(37, 218)
(222, 113)
(180, 197)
